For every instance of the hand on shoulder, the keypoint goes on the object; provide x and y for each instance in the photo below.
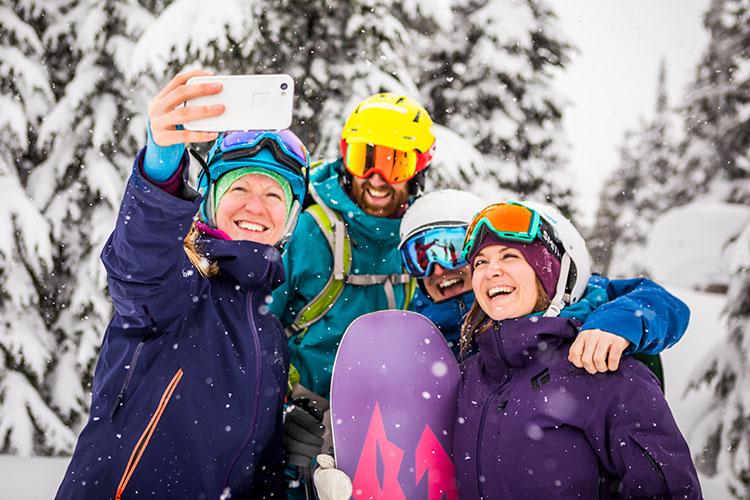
(597, 351)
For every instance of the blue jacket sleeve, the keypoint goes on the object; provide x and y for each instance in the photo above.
(641, 311)
(148, 273)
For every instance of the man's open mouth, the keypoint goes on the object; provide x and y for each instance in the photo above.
(451, 286)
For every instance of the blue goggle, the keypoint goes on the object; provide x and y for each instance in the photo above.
(237, 148)
(440, 245)
(285, 146)
(237, 145)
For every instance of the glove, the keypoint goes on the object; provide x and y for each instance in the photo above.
(302, 431)
(331, 483)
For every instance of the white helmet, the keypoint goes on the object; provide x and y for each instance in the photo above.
(443, 208)
(575, 266)
(563, 241)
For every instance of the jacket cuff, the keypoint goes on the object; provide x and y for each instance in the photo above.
(174, 184)
(627, 324)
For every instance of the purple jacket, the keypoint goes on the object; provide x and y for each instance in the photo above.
(532, 425)
(192, 372)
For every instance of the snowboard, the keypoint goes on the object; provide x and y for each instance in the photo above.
(394, 391)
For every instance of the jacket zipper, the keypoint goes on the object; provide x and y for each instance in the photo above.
(133, 363)
(140, 446)
(480, 483)
(258, 377)
(602, 480)
(653, 461)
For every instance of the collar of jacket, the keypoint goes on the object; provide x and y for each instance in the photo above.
(325, 180)
(516, 342)
(448, 314)
(246, 261)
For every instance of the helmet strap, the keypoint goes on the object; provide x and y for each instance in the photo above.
(558, 301)
(345, 178)
(416, 183)
(203, 165)
(207, 204)
(291, 223)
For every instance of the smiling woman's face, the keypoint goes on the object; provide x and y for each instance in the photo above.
(504, 283)
(253, 209)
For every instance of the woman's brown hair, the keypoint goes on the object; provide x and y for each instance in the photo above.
(477, 320)
(206, 267)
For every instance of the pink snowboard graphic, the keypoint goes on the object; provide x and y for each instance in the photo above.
(393, 408)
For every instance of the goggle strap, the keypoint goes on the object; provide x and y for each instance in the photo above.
(553, 245)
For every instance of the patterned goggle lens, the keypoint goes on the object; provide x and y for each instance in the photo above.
(434, 246)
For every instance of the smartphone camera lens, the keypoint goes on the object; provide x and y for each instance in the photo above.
(284, 86)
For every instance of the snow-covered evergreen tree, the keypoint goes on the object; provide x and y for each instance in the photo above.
(633, 196)
(715, 161)
(27, 253)
(489, 82)
(715, 165)
(721, 438)
(68, 146)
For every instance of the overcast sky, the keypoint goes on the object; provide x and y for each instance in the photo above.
(611, 81)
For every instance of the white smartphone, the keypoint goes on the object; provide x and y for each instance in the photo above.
(253, 102)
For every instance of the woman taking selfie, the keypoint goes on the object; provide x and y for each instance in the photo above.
(530, 424)
(192, 373)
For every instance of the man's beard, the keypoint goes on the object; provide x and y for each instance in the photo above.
(398, 199)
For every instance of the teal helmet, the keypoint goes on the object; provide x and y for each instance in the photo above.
(276, 153)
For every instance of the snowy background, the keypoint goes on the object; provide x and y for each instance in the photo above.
(77, 77)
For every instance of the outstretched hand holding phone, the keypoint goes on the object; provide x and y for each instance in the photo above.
(195, 106)
(166, 111)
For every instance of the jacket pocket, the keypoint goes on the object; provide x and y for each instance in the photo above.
(140, 446)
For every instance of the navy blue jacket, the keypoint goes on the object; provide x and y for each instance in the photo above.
(191, 376)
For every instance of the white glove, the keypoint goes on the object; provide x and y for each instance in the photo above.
(330, 482)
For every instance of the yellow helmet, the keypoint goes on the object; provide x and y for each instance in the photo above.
(389, 134)
(390, 120)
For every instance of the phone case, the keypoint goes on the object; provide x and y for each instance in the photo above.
(253, 102)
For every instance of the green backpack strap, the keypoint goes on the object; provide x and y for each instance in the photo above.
(653, 362)
(327, 297)
(333, 227)
(411, 288)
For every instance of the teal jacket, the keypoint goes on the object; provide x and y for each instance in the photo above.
(308, 263)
